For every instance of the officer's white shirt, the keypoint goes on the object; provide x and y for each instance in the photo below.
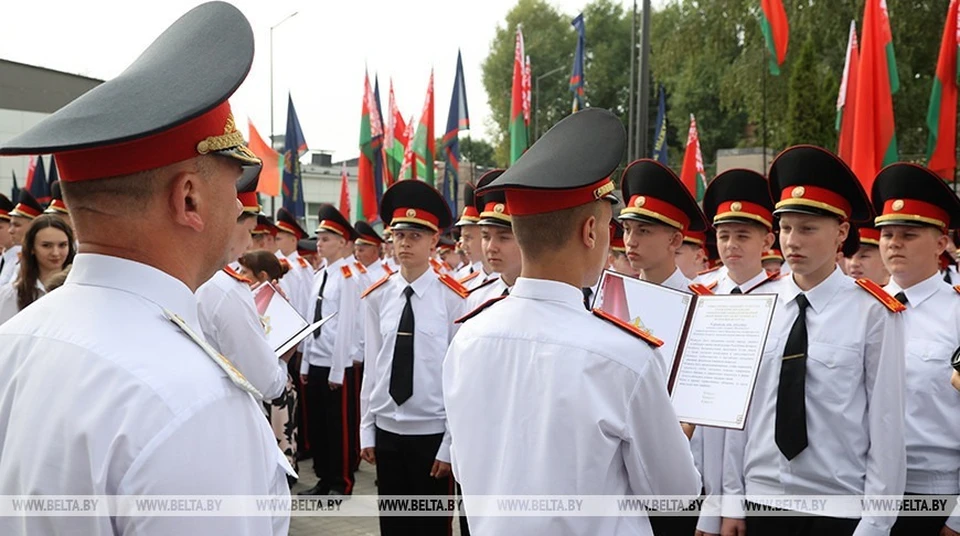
(435, 307)
(677, 281)
(8, 300)
(932, 323)
(854, 404)
(334, 344)
(950, 275)
(757, 284)
(468, 269)
(292, 284)
(375, 272)
(481, 278)
(482, 294)
(708, 277)
(232, 325)
(544, 398)
(11, 264)
(304, 273)
(103, 395)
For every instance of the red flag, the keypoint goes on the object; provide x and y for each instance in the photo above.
(693, 175)
(942, 113)
(519, 102)
(395, 141)
(874, 135)
(409, 159)
(270, 173)
(31, 169)
(366, 181)
(846, 100)
(345, 191)
(776, 31)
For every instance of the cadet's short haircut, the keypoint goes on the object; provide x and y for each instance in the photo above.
(538, 234)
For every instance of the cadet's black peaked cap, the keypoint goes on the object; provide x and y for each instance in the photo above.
(168, 106)
(907, 194)
(652, 193)
(568, 166)
(413, 204)
(332, 221)
(367, 234)
(739, 196)
(812, 180)
(492, 205)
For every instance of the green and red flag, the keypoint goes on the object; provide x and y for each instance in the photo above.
(408, 169)
(693, 175)
(345, 193)
(395, 141)
(370, 130)
(519, 103)
(424, 145)
(847, 98)
(942, 113)
(776, 32)
(874, 135)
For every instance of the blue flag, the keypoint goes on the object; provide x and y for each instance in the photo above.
(377, 144)
(660, 135)
(53, 176)
(15, 191)
(293, 147)
(37, 184)
(458, 119)
(576, 77)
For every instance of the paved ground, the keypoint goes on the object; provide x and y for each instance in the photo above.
(338, 526)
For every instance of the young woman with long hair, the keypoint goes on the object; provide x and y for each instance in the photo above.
(48, 247)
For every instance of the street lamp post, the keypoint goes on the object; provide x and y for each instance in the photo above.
(273, 199)
(536, 96)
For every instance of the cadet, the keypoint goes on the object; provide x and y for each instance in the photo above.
(544, 397)
(866, 262)
(20, 217)
(827, 412)
(298, 281)
(7, 250)
(264, 234)
(497, 242)
(915, 210)
(475, 272)
(408, 325)
(135, 402)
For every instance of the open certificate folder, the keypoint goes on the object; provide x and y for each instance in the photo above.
(284, 326)
(712, 345)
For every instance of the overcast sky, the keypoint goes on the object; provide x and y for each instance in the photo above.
(319, 55)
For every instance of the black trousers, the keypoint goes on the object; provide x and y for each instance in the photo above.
(404, 463)
(665, 525)
(357, 384)
(301, 418)
(330, 438)
(800, 525)
(919, 525)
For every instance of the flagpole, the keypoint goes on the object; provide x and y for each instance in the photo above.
(643, 89)
(633, 76)
(763, 116)
(273, 199)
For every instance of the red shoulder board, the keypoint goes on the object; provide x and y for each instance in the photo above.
(629, 328)
(435, 265)
(881, 295)
(712, 285)
(284, 262)
(360, 267)
(469, 277)
(386, 268)
(478, 310)
(375, 286)
(957, 289)
(709, 270)
(452, 284)
(485, 283)
(233, 273)
(773, 276)
(700, 290)
(346, 271)
(303, 263)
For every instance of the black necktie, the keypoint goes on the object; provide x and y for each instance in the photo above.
(946, 276)
(472, 269)
(587, 293)
(318, 310)
(791, 422)
(401, 374)
(901, 297)
(506, 292)
(736, 290)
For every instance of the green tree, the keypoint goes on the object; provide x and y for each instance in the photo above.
(607, 58)
(810, 105)
(478, 151)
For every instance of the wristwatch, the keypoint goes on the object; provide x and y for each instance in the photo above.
(955, 360)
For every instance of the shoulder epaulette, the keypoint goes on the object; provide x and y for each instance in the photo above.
(284, 262)
(629, 328)
(700, 290)
(345, 269)
(712, 285)
(386, 268)
(435, 265)
(375, 286)
(957, 288)
(478, 310)
(452, 284)
(303, 263)
(772, 276)
(709, 270)
(881, 295)
(233, 273)
(360, 267)
(481, 285)
(467, 278)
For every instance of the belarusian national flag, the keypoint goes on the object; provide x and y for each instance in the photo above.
(370, 129)
(518, 110)
(874, 135)
(424, 144)
(847, 98)
(776, 31)
(942, 114)
(345, 192)
(395, 141)
(693, 176)
(407, 168)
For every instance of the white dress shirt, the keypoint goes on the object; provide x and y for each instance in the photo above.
(103, 395)
(545, 398)
(707, 277)
(480, 295)
(468, 269)
(854, 404)
(333, 347)
(932, 323)
(375, 272)
(759, 284)
(8, 300)
(677, 281)
(435, 307)
(11, 264)
(232, 325)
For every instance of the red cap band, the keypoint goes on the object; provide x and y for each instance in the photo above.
(816, 197)
(250, 202)
(25, 211)
(912, 210)
(744, 210)
(287, 228)
(869, 236)
(651, 207)
(417, 216)
(698, 238)
(525, 202)
(332, 226)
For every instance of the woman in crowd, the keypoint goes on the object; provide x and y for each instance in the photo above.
(261, 266)
(48, 247)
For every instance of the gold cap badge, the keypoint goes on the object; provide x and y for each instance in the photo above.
(639, 201)
(898, 205)
(736, 206)
(411, 212)
(798, 192)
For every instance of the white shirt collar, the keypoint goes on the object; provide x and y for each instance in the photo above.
(545, 290)
(820, 295)
(421, 284)
(918, 293)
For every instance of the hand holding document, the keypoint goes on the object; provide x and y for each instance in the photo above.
(712, 344)
(284, 326)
